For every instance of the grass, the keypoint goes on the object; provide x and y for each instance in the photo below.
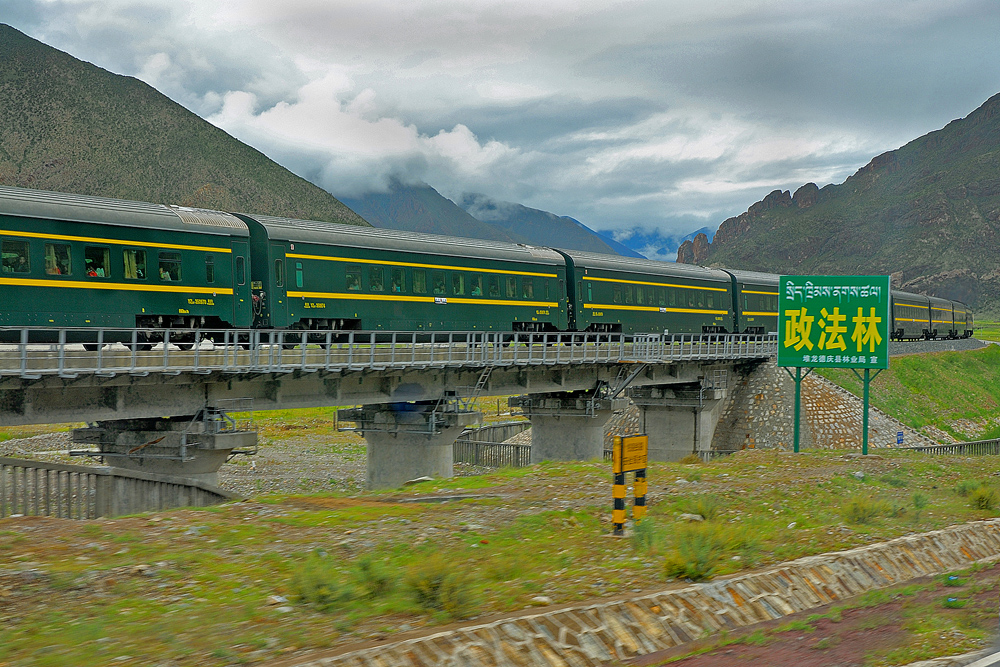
(351, 566)
(987, 330)
(943, 390)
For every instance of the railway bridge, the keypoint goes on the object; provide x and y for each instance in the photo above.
(175, 408)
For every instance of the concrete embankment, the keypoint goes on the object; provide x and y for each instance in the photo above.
(597, 634)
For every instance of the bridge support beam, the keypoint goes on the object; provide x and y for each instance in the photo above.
(679, 419)
(190, 447)
(566, 426)
(409, 440)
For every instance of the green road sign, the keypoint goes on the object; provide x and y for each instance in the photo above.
(833, 321)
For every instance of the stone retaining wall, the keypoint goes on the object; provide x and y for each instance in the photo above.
(596, 634)
(761, 414)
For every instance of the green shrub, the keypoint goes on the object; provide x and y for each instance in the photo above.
(967, 486)
(646, 537)
(862, 509)
(984, 498)
(376, 580)
(697, 551)
(953, 603)
(690, 459)
(895, 482)
(707, 505)
(920, 501)
(437, 586)
(317, 582)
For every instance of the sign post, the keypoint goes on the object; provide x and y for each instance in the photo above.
(833, 322)
(628, 453)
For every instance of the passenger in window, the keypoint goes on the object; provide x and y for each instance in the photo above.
(90, 269)
(164, 274)
(51, 268)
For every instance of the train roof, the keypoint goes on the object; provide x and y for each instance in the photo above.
(755, 277)
(645, 266)
(331, 233)
(26, 203)
(910, 296)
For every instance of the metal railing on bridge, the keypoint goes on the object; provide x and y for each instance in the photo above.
(34, 352)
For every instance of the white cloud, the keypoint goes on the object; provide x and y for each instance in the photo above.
(635, 113)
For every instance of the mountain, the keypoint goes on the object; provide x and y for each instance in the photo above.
(927, 213)
(421, 208)
(69, 126)
(654, 244)
(540, 227)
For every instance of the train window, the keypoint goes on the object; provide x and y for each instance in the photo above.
(437, 280)
(629, 294)
(650, 296)
(511, 287)
(419, 281)
(672, 295)
(241, 270)
(210, 268)
(640, 294)
(527, 289)
(458, 284)
(590, 291)
(170, 266)
(710, 301)
(495, 286)
(547, 288)
(354, 278)
(616, 293)
(661, 293)
(58, 261)
(701, 299)
(397, 280)
(134, 263)
(476, 286)
(298, 274)
(375, 279)
(279, 273)
(15, 257)
(97, 261)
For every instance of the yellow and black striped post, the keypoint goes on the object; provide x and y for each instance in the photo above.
(639, 503)
(628, 454)
(618, 513)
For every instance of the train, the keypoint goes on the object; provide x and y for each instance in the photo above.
(88, 263)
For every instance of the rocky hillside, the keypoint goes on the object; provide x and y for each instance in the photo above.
(927, 213)
(69, 126)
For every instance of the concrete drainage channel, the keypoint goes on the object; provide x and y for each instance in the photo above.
(598, 634)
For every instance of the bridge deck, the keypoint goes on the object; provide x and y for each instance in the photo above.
(260, 351)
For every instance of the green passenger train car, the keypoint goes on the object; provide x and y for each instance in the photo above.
(329, 276)
(74, 261)
(614, 294)
(756, 301)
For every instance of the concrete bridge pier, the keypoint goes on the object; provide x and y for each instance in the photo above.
(680, 419)
(566, 426)
(193, 447)
(409, 440)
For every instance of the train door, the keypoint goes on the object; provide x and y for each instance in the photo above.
(279, 286)
(242, 312)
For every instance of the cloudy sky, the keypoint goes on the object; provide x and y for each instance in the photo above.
(663, 115)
